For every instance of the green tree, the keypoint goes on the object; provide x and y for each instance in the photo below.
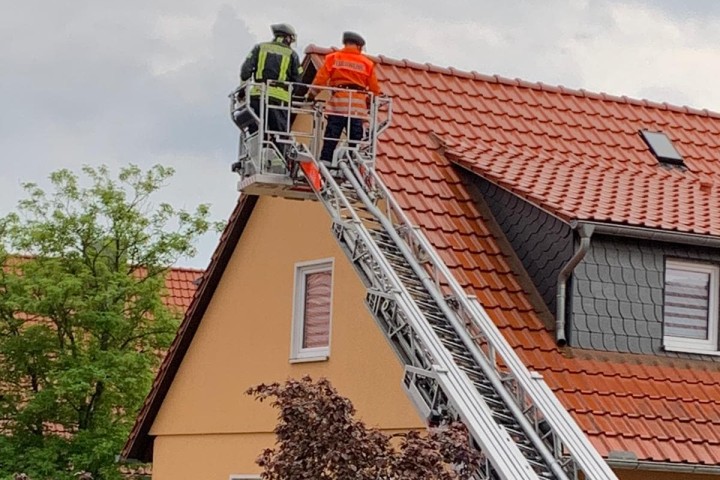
(82, 319)
(319, 438)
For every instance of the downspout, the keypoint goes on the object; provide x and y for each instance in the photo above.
(586, 232)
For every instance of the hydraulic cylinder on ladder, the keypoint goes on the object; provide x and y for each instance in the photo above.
(458, 365)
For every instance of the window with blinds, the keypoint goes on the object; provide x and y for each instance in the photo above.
(691, 307)
(316, 317)
(312, 311)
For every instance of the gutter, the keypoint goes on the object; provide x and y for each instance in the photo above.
(586, 232)
(711, 241)
(622, 464)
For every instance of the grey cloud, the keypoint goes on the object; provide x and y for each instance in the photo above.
(95, 81)
(79, 87)
(683, 8)
(95, 76)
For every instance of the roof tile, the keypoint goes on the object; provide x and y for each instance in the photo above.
(180, 284)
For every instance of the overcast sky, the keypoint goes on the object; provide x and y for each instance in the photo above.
(145, 81)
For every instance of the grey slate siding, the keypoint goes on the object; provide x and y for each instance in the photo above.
(617, 294)
(542, 242)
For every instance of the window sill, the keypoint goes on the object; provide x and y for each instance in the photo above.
(694, 351)
(321, 358)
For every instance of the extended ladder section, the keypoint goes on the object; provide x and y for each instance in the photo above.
(458, 365)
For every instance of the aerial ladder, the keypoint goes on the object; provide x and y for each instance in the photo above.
(457, 364)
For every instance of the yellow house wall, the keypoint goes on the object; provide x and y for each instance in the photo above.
(207, 428)
(244, 339)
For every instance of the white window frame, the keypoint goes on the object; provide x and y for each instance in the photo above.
(710, 345)
(299, 354)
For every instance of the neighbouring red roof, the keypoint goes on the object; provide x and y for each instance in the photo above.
(181, 284)
(559, 148)
(661, 409)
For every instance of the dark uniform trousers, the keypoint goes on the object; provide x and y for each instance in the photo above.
(277, 118)
(334, 128)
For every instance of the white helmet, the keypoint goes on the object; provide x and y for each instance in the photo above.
(283, 30)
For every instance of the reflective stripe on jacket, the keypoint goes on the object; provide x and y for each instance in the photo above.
(348, 103)
(348, 68)
(272, 61)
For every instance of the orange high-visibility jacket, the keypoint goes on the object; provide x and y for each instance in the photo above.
(348, 68)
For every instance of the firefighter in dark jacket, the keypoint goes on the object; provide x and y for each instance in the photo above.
(268, 61)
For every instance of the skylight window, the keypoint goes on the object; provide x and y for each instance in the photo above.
(661, 146)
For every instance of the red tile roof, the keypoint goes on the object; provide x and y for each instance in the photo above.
(579, 155)
(598, 190)
(181, 284)
(663, 410)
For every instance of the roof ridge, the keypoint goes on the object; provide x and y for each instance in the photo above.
(187, 269)
(518, 82)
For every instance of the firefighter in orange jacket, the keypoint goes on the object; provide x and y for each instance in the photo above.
(348, 69)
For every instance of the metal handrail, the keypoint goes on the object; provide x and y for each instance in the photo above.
(377, 118)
